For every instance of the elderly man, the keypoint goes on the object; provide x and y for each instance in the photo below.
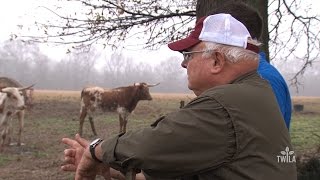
(233, 129)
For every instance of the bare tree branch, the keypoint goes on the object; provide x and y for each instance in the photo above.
(157, 22)
(102, 22)
(301, 36)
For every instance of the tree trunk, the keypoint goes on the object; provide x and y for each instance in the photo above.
(204, 7)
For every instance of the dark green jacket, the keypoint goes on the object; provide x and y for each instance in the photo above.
(229, 132)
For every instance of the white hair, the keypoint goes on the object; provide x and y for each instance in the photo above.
(232, 53)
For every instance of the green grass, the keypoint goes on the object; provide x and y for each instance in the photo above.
(5, 159)
(56, 115)
(305, 132)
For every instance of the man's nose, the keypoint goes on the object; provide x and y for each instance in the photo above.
(184, 64)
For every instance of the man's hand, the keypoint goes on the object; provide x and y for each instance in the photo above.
(73, 155)
(87, 167)
(78, 158)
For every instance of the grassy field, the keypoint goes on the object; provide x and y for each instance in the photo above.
(305, 126)
(55, 115)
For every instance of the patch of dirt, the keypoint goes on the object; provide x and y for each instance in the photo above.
(310, 113)
(51, 118)
(54, 116)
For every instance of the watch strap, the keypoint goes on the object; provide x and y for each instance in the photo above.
(93, 147)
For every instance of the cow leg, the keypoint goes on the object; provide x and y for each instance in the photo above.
(3, 126)
(125, 125)
(92, 126)
(2, 140)
(125, 120)
(8, 132)
(21, 126)
(121, 122)
(123, 117)
(4, 134)
(83, 114)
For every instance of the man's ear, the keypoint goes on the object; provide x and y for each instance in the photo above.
(218, 62)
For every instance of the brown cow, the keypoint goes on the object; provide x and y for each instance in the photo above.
(11, 102)
(122, 99)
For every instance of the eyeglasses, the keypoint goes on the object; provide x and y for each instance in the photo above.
(187, 54)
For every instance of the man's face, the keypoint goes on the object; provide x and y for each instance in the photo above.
(198, 69)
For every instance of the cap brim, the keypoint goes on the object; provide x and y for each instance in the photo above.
(183, 44)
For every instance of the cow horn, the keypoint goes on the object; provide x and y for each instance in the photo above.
(25, 88)
(152, 85)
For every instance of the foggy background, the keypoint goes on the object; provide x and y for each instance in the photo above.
(27, 64)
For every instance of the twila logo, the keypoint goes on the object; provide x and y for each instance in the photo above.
(286, 156)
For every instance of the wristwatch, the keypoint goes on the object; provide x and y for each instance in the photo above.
(92, 148)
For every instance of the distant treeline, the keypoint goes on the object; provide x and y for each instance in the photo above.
(28, 65)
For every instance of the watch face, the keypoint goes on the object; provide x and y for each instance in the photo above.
(95, 141)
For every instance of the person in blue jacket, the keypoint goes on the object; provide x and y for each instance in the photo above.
(279, 86)
(268, 72)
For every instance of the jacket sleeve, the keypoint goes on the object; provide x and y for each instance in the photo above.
(196, 138)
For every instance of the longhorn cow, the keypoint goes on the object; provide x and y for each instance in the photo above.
(121, 99)
(11, 102)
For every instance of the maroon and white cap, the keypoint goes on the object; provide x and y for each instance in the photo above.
(218, 28)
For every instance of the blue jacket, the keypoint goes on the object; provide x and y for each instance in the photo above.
(279, 86)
